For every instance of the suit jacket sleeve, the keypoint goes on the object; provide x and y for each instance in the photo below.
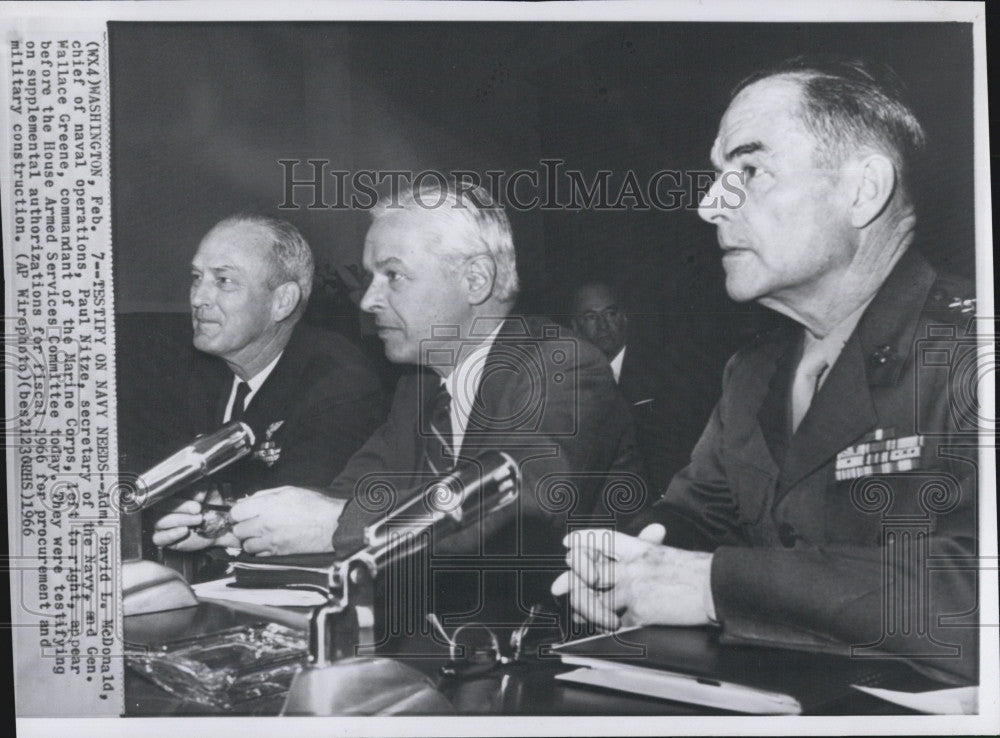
(697, 508)
(335, 425)
(375, 478)
(583, 459)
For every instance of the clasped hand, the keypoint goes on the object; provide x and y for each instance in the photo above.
(615, 580)
(283, 520)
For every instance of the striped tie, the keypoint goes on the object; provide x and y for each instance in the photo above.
(440, 455)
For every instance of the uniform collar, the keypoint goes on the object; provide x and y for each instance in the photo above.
(874, 355)
(888, 327)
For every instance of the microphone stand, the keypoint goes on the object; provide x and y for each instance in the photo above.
(336, 681)
(147, 586)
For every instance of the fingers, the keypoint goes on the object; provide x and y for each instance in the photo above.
(255, 504)
(588, 605)
(269, 492)
(593, 556)
(257, 547)
(188, 507)
(610, 543)
(170, 536)
(597, 608)
(654, 533)
(254, 537)
(187, 517)
(560, 586)
(592, 567)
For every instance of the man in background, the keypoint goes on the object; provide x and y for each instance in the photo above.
(667, 422)
(310, 397)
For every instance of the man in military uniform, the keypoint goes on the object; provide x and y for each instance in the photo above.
(823, 508)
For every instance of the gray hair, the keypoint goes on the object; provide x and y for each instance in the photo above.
(848, 104)
(473, 222)
(291, 258)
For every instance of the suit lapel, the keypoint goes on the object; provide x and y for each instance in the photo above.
(210, 383)
(773, 414)
(840, 412)
(271, 402)
(509, 359)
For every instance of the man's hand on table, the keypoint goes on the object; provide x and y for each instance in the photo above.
(286, 520)
(175, 529)
(617, 580)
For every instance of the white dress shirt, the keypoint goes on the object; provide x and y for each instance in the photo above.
(463, 385)
(255, 383)
(616, 364)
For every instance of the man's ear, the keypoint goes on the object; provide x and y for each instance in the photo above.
(284, 300)
(479, 275)
(875, 182)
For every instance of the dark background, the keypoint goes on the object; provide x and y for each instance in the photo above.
(203, 112)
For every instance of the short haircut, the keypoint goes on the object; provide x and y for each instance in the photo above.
(617, 294)
(291, 258)
(467, 221)
(848, 104)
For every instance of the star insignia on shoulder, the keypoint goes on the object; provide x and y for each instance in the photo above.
(964, 305)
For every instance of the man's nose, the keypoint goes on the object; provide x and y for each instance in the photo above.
(712, 205)
(371, 301)
(201, 294)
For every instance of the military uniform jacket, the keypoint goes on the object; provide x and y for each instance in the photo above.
(856, 534)
(319, 404)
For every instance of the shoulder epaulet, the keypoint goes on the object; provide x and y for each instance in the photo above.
(952, 296)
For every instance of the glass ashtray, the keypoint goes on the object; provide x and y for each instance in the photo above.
(226, 670)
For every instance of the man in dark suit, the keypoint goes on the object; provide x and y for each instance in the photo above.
(829, 504)
(310, 397)
(444, 281)
(667, 421)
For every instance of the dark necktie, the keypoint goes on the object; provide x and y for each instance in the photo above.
(242, 390)
(440, 456)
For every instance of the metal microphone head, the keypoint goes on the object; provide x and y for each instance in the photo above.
(469, 493)
(202, 457)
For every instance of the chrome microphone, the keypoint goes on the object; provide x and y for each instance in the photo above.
(473, 492)
(201, 458)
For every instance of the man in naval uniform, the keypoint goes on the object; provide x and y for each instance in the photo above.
(310, 397)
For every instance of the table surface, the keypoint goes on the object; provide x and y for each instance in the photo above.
(527, 688)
